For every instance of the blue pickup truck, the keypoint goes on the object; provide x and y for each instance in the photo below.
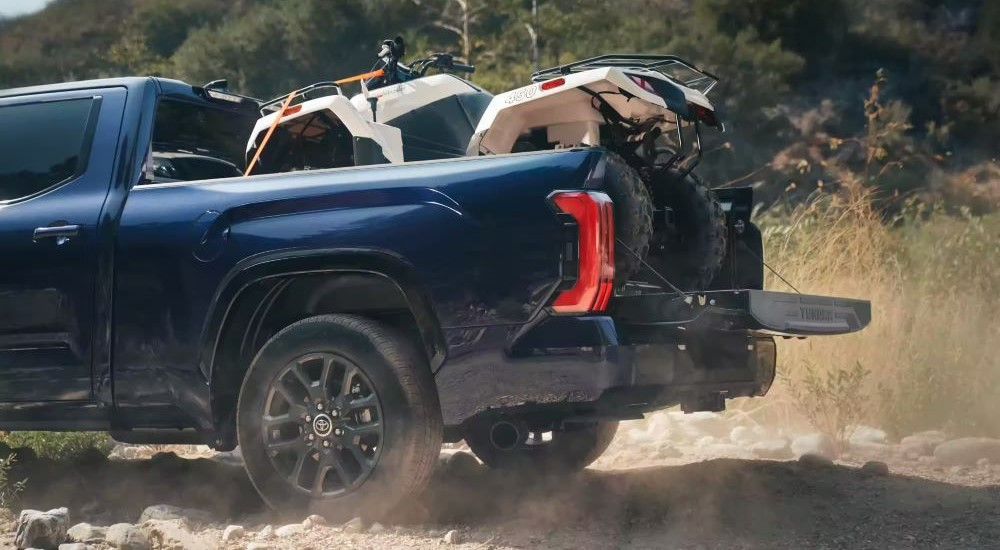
(338, 325)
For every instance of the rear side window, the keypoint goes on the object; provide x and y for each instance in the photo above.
(193, 141)
(43, 145)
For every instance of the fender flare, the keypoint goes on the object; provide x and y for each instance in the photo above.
(314, 261)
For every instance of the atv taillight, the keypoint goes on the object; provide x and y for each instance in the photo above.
(595, 220)
(703, 114)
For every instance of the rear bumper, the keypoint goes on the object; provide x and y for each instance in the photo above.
(587, 366)
(656, 352)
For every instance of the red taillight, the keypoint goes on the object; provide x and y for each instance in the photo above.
(554, 83)
(291, 110)
(703, 114)
(595, 220)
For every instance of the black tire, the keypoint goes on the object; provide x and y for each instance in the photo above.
(570, 450)
(633, 215)
(690, 253)
(405, 412)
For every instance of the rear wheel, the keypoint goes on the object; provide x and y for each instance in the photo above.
(338, 414)
(510, 445)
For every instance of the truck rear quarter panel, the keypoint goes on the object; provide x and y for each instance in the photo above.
(478, 233)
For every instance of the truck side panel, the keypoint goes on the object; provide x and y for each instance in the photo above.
(485, 258)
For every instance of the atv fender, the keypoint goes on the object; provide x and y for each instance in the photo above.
(567, 109)
(384, 136)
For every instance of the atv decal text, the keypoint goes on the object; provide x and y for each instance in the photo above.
(527, 92)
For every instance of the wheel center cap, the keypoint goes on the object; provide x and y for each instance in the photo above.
(322, 425)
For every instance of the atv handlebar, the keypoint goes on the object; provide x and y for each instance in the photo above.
(391, 55)
(462, 67)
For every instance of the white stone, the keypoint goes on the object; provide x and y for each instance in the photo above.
(967, 451)
(126, 536)
(923, 443)
(85, 532)
(866, 434)
(817, 443)
(233, 532)
(355, 525)
(168, 512)
(290, 530)
(172, 533)
(317, 520)
(377, 528)
(266, 533)
(453, 537)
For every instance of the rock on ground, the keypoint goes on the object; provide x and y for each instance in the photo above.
(775, 449)
(172, 535)
(875, 468)
(452, 537)
(866, 434)
(126, 536)
(810, 460)
(167, 512)
(967, 451)
(233, 532)
(37, 529)
(290, 530)
(75, 546)
(922, 443)
(462, 464)
(815, 444)
(355, 525)
(85, 532)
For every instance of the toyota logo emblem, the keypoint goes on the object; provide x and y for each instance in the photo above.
(322, 425)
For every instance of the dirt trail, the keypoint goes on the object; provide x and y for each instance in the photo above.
(716, 503)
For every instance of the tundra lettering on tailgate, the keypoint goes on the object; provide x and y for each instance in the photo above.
(815, 314)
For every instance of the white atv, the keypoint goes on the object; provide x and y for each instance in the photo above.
(647, 109)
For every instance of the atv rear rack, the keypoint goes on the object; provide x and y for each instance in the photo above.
(670, 66)
(761, 311)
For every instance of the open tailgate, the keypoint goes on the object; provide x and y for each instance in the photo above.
(778, 313)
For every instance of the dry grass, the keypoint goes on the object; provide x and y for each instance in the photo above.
(928, 355)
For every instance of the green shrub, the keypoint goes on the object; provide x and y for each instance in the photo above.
(8, 490)
(59, 445)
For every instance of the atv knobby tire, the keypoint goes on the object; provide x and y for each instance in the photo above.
(633, 215)
(689, 252)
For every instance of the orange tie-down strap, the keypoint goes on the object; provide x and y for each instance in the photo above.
(267, 136)
(288, 101)
(364, 76)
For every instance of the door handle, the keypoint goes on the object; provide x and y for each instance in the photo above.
(61, 233)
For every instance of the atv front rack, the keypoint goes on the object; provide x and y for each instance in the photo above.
(761, 311)
(670, 66)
